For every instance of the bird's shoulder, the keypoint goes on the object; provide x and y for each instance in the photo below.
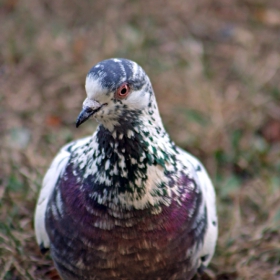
(196, 168)
(208, 217)
(50, 180)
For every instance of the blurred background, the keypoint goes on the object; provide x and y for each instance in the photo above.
(214, 65)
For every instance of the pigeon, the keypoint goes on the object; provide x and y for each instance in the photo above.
(125, 203)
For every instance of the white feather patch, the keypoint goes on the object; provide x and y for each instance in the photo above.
(208, 193)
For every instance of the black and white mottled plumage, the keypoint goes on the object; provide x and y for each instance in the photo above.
(126, 202)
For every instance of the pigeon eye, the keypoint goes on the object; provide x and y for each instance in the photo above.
(122, 91)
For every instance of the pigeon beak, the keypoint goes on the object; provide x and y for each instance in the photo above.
(88, 111)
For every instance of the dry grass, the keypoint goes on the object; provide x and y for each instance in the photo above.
(215, 70)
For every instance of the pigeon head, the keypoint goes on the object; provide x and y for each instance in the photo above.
(118, 92)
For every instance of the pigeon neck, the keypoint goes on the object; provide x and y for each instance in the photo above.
(126, 164)
(134, 143)
(130, 165)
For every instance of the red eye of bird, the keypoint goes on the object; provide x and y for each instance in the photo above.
(122, 91)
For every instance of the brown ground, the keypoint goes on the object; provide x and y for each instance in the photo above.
(214, 65)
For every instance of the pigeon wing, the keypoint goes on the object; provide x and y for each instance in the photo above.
(50, 180)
